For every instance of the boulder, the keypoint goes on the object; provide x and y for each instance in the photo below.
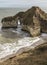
(34, 21)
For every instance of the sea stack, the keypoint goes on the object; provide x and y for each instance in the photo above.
(34, 21)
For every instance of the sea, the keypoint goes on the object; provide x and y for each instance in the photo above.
(10, 35)
(13, 38)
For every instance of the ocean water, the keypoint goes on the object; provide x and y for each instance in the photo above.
(9, 35)
(11, 40)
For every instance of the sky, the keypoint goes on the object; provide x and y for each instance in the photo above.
(23, 3)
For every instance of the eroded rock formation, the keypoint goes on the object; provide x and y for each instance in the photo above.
(12, 21)
(9, 22)
(35, 21)
(19, 16)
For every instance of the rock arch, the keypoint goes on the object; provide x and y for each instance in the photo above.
(34, 20)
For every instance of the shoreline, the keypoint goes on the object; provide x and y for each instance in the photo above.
(21, 49)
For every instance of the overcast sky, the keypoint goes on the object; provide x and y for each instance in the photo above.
(23, 3)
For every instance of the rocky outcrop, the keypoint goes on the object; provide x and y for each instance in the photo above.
(8, 22)
(34, 21)
(12, 21)
(19, 16)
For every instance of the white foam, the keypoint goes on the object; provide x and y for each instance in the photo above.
(13, 48)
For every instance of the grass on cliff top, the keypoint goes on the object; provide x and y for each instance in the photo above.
(38, 56)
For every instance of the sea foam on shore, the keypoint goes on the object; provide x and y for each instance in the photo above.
(12, 49)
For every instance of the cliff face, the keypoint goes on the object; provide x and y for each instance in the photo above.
(35, 21)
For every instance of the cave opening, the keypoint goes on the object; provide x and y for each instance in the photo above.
(18, 22)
